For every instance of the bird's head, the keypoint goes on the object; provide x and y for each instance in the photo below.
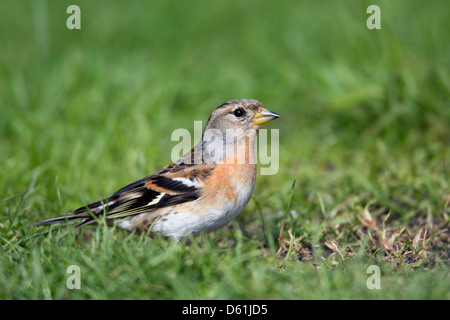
(243, 114)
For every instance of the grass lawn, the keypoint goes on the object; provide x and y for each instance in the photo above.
(364, 154)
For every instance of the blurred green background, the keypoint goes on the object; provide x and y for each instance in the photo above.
(137, 71)
(364, 112)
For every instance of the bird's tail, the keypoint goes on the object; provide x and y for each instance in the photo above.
(89, 213)
(60, 219)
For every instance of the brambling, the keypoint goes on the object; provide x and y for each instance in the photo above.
(202, 191)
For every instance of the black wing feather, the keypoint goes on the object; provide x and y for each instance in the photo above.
(132, 200)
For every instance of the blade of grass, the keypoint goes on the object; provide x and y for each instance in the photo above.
(286, 211)
(268, 237)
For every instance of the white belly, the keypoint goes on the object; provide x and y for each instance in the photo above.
(181, 223)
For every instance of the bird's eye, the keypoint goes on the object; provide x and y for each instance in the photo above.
(239, 112)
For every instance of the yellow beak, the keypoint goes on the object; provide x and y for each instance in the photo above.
(264, 116)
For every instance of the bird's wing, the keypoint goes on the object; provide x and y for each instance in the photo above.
(173, 185)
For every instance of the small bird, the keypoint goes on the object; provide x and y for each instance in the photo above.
(202, 191)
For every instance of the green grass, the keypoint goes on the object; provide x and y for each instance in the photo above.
(364, 133)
